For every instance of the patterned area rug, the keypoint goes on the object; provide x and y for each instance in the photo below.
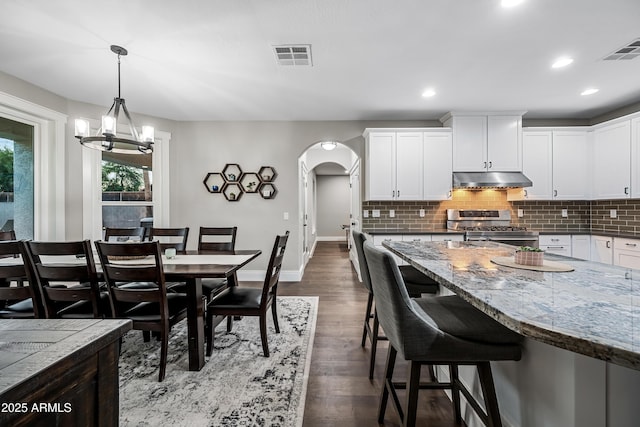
(238, 386)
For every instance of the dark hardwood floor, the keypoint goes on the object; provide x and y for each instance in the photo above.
(339, 391)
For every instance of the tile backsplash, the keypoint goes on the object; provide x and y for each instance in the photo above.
(582, 216)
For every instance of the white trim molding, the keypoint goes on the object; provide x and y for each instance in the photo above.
(49, 130)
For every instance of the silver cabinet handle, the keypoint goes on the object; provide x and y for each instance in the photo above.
(490, 165)
(555, 247)
(633, 245)
(398, 193)
(393, 193)
(555, 193)
(555, 240)
(626, 190)
(485, 165)
(608, 245)
(525, 193)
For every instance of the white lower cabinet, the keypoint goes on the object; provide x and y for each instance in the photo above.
(626, 252)
(581, 246)
(602, 249)
(379, 239)
(447, 237)
(559, 244)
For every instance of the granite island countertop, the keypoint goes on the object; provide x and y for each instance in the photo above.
(593, 310)
(391, 231)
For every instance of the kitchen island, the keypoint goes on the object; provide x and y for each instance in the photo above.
(581, 356)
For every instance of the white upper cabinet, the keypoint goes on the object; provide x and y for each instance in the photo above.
(380, 166)
(411, 164)
(394, 166)
(438, 171)
(486, 142)
(612, 161)
(635, 158)
(571, 165)
(537, 161)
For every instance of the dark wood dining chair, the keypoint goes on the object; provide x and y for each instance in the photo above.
(238, 301)
(150, 308)
(7, 235)
(68, 289)
(222, 240)
(124, 234)
(170, 238)
(17, 300)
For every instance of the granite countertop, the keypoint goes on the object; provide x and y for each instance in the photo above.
(383, 231)
(593, 310)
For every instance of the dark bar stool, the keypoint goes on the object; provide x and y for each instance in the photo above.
(436, 331)
(370, 331)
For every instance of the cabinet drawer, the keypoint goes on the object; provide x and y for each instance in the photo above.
(378, 239)
(632, 245)
(555, 240)
(416, 238)
(447, 237)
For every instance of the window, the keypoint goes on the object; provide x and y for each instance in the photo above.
(16, 178)
(127, 190)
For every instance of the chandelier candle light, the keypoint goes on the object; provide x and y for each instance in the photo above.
(106, 139)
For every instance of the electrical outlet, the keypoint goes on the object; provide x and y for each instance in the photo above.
(565, 213)
(520, 213)
(613, 213)
(392, 213)
(421, 213)
(375, 213)
(365, 213)
(285, 216)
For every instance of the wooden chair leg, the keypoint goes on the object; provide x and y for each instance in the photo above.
(388, 378)
(146, 336)
(263, 335)
(229, 323)
(413, 387)
(455, 392)
(367, 317)
(210, 333)
(489, 393)
(275, 316)
(164, 349)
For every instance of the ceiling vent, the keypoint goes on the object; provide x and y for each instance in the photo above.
(630, 51)
(298, 55)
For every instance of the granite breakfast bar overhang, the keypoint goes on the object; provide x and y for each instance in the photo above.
(582, 331)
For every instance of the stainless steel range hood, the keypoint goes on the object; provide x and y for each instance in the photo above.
(490, 180)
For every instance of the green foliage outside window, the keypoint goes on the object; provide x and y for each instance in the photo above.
(6, 170)
(118, 177)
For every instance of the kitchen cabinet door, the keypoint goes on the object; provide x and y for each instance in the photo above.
(380, 166)
(409, 157)
(612, 161)
(537, 149)
(469, 143)
(556, 244)
(581, 246)
(570, 165)
(635, 158)
(438, 170)
(602, 249)
(504, 143)
(626, 253)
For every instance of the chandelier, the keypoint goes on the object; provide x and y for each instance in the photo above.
(106, 139)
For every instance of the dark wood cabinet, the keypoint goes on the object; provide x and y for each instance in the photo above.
(57, 372)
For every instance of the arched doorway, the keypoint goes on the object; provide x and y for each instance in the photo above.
(329, 195)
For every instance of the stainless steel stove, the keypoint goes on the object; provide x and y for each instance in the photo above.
(491, 225)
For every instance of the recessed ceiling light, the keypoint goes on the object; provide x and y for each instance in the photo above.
(562, 62)
(428, 93)
(329, 145)
(511, 3)
(589, 91)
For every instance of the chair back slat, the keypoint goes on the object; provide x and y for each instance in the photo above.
(121, 276)
(170, 238)
(219, 239)
(13, 276)
(275, 265)
(62, 282)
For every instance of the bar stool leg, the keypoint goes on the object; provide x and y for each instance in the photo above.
(413, 387)
(388, 378)
(455, 392)
(374, 343)
(489, 393)
(366, 318)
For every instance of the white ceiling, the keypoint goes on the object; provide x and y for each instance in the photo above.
(372, 59)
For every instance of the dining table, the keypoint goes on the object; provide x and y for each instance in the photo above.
(189, 267)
